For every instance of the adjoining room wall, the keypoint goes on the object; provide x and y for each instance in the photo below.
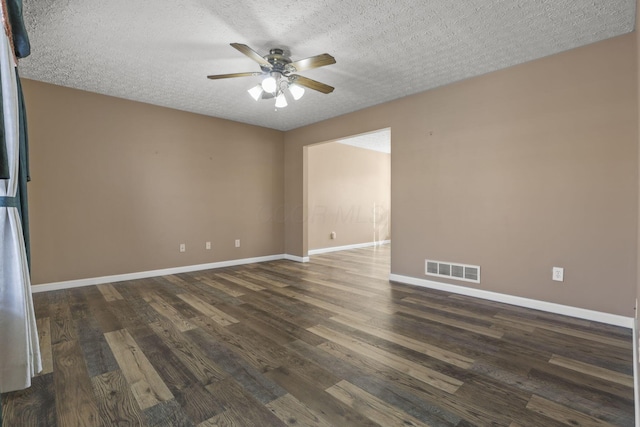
(345, 185)
(118, 185)
(516, 171)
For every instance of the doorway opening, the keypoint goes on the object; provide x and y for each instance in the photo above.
(349, 193)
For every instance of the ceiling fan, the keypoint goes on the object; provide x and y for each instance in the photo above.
(280, 71)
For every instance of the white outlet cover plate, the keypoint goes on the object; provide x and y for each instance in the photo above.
(558, 274)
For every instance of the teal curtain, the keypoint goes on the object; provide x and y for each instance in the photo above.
(21, 43)
(23, 173)
(4, 161)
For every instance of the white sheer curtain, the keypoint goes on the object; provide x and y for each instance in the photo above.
(19, 348)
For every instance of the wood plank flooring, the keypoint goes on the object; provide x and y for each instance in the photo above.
(328, 343)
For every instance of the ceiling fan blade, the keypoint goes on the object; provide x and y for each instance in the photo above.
(311, 84)
(227, 76)
(313, 62)
(243, 48)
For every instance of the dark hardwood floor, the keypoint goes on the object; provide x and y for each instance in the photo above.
(328, 343)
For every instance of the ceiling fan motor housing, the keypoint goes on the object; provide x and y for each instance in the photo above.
(279, 63)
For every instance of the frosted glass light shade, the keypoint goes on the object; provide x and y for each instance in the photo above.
(269, 84)
(255, 92)
(296, 91)
(281, 101)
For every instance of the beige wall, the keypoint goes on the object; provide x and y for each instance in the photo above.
(344, 185)
(517, 171)
(118, 185)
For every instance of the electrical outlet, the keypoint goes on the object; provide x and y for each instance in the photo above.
(558, 274)
(207, 246)
(237, 243)
(183, 247)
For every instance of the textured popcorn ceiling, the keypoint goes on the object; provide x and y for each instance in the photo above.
(376, 141)
(160, 52)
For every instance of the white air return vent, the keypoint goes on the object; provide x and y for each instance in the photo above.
(464, 272)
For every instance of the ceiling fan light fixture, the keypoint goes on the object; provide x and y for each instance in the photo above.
(296, 91)
(256, 92)
(281, 101)
(277, 68)
(269, 84)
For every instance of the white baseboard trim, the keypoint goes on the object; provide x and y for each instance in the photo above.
(347, 247)
(296, 258)
(566, 310)
(152, 273)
